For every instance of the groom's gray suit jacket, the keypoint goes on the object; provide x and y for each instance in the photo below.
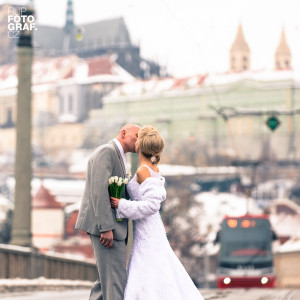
(95, 214)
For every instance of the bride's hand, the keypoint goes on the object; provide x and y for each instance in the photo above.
(114, 202)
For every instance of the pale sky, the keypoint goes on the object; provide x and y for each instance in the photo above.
(192, 36)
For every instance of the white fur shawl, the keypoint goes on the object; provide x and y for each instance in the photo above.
(151, 193)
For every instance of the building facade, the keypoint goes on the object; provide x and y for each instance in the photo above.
(64, 91)
(200, 110)
(226, 113)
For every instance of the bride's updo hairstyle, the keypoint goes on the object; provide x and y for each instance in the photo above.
(150, 143)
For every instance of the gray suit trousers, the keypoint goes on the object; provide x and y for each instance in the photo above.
(111, 264)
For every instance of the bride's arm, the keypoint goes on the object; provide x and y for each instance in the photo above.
(151, 193)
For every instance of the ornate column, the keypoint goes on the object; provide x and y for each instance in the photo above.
(21, 231)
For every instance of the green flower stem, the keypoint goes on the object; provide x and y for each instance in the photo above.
(116, 192)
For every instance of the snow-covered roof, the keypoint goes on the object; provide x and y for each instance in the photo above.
(168, 170)
(73, 207)
(175, 170)
(5, 202)
(45, 200)
(67, 118)
(293, 244)
(64, 190)
(285, 224)
(226, 204)
(213, 207)
(66, 70)
(171, 85)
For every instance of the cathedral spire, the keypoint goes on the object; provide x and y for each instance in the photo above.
(69, 17)
(69, 26)
(283, 55)
(239, 53)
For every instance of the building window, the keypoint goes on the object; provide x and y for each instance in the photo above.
(97, 100)
(9, 115)
(9, 121)
(108, 41)
(245, 59)
(128, 57)
(287, 63)
(278, 64)
(61, 105)
(70, 103)
(233, 63)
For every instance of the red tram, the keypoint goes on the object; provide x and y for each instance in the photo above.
(245, 258)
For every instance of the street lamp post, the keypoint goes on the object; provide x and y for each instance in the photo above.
(21, 230)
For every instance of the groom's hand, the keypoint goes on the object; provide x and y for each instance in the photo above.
(106, 238)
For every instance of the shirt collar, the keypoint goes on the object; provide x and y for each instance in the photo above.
(120, 148)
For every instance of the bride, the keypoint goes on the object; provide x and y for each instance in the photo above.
(154, 271)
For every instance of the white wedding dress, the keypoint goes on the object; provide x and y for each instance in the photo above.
(154, 271)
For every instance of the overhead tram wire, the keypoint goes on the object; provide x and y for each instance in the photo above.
(218, 109)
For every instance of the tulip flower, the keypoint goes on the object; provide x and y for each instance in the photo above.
(116, 186)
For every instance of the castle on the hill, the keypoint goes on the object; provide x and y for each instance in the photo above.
(87, 40)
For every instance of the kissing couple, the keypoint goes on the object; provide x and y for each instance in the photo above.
(154, 272)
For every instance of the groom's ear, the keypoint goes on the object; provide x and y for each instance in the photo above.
(123, 133)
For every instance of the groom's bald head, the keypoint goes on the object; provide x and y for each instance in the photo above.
(127, 137)
(129, 127)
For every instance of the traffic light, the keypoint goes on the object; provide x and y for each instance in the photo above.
(79, 33)
(273, 122)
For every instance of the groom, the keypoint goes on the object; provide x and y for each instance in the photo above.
(97, 218)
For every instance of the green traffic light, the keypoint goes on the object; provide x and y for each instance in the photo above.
(273, 122)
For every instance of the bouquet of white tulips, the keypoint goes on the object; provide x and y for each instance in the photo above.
(116, 186)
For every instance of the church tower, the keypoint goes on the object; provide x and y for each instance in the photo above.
(239, 53)
(69, 26)
(283, 55)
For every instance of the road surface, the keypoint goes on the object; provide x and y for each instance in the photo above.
(48, 295)
(213, 294)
